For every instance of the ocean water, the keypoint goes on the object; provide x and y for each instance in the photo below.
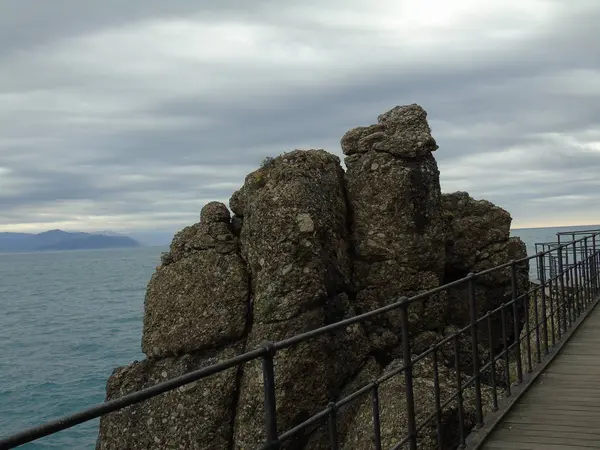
(67, 319)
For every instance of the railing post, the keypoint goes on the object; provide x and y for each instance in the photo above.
(527, 332)
(563, 301)
(505, 347)
(576, 280)
(543, 295)
(594, 267)
(376, 417)
(582, 271)
(517, 332)
(408, 376)
(587, 284)
(269, 393)
(492, 362)
(551, 288)
(475, 351)
(569, 304)
(438, 401)
(333, 434)
(461, 411)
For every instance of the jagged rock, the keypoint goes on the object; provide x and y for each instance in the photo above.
(295, 240)
(478, 238)
(473, 226)
(198, 416)
(320, 440)
(402, 131)
(199, 298)
(445, 349)
(308, 376)
(393, 414)
(294, 236)
(308, 246)
(397, 228)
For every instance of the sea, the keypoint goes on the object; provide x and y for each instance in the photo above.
(68, 318)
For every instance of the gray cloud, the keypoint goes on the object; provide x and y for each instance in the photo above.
(132, 115)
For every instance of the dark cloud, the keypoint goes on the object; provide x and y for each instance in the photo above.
(133, 114)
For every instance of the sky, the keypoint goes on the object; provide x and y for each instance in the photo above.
(130, 116)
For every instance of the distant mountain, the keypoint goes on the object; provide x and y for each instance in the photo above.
(62, 240)
(107, 233)
(153, 238)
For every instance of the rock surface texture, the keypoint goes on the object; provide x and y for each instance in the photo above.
(397, 228)
(478, 239)
(199, 297)
(294, 239)
(308, 245)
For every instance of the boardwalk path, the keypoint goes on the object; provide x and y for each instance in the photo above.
(561, 410)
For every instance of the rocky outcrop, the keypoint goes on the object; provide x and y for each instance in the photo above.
(396, 215)
(294, 239)
(199, 297)
(393, 418)
(198, 416)
(196, 314)
(478, 239)
(309, 245)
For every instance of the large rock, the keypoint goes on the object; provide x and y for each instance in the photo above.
(199, 297)
(345, 415)
(308, 246)
(393, 409)
(294, 238)
(198, 416)
(472, 227)
(478, 239)
(397, 228)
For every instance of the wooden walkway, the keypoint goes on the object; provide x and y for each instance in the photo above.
(561, 410)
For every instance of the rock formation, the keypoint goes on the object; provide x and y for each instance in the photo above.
(477, 239)
(308, 245)
(294, 239)
(396, 218)
(199, 297)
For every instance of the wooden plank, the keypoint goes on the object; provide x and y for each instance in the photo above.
(543, 399)
(566, 396)
(531, 446)
(550, 430)
(562, 409)
(594, 433)
(549, 389)
(574, 358)
(545, 440)
(575, 377)
(581, 423)
(567, 409)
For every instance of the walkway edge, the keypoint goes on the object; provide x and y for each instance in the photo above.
(477, 437)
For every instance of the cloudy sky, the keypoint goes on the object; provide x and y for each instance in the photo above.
(130, 115)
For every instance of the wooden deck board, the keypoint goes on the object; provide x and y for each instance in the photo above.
(561, 410)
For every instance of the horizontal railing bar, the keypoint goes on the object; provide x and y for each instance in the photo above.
(36, 432)
(571, 233)
(311, 420)
(362, 317)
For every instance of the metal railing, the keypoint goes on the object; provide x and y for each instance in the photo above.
(568, 288)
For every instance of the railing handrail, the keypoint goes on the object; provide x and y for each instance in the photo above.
(267, 351)
(573, 233)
